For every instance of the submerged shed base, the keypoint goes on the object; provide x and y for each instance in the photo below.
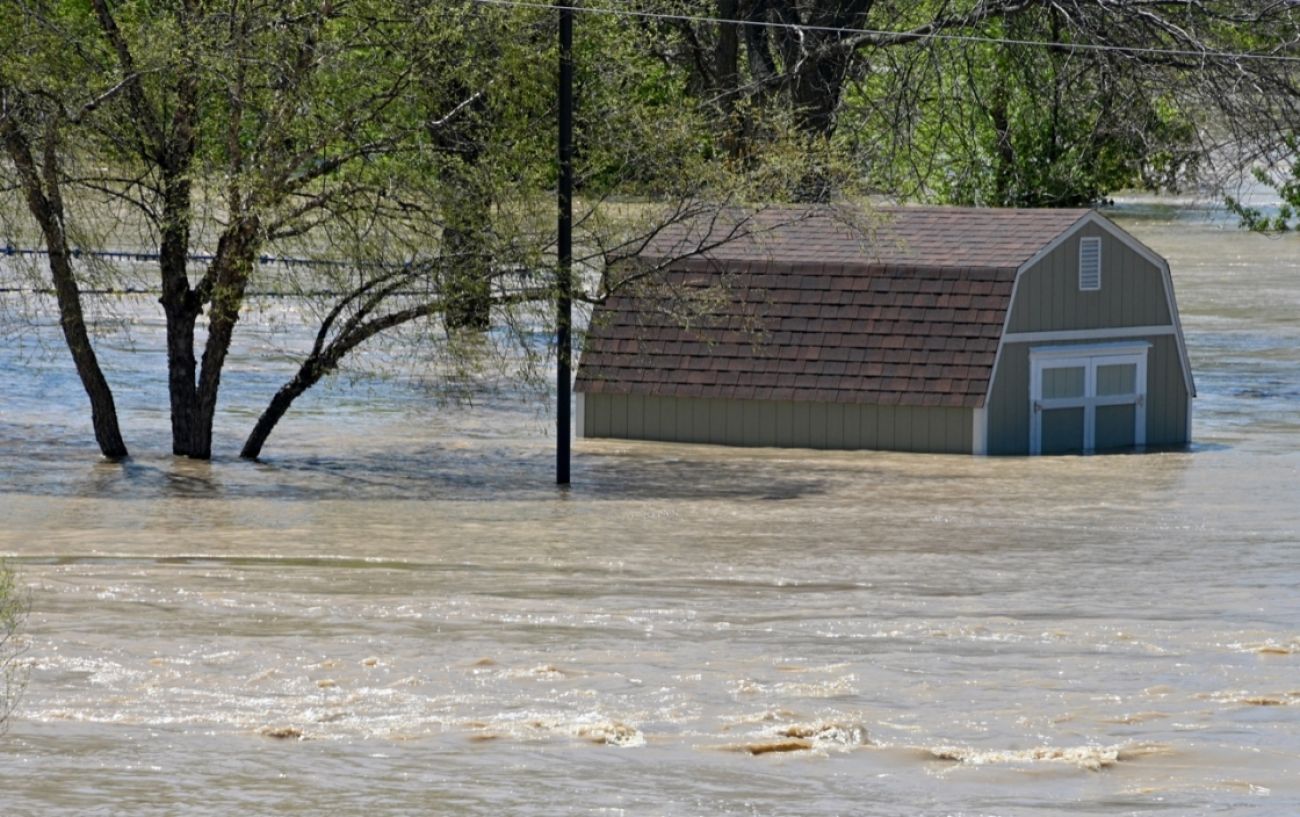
(777, 423)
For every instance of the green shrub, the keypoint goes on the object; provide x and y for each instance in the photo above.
(13, 609)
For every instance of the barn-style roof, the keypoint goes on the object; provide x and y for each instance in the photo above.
(903, 306)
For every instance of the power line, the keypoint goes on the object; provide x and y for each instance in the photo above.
(1202, 54)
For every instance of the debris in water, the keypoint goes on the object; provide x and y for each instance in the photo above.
(612, 733)
(1254, 699)
(1264, 700)
(282, 732)
(837, 734)
(769, 747)
(1274, 649)
(802, 737)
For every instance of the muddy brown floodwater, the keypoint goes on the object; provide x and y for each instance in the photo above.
(397, 614)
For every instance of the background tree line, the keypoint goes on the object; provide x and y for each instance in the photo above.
(414, 141)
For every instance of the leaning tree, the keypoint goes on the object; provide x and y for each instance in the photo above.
(223, 130)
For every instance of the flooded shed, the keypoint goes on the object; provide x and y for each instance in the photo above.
(955, 330)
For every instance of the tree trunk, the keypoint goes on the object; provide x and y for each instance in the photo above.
(193, 390)
(816, 96)
(726, 66)
(279, 404)
(181, 367)
(233, 265)
(103, 411)
(465, 259)
(46, 206)
(181, 306)
(323, 360)
(465, 275)
(1005, 167)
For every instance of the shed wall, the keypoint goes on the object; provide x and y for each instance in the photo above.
(1008, 404)
(778, 423)
(1048, 297)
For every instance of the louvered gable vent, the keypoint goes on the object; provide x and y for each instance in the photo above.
(1089, 263)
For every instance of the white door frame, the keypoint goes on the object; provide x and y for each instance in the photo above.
(1088, 357)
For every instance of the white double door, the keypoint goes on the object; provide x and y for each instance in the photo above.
(1087, 398)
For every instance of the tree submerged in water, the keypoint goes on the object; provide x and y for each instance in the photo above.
(409, 146)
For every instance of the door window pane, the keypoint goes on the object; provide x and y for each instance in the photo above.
(1120, 378)
(1063, 382)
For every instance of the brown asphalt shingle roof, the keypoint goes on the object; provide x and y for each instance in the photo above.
(802, 306)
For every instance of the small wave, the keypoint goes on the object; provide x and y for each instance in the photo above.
(541, 672)
(1244, 698)
(765, 716)
(1092, 758)
(591, 728)
(1284, 699)
(1274, 648)
(833, 688)
(1247, 787)
(281, 732)
(1135, 717)
(804, 668)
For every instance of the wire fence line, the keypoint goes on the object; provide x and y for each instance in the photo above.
(144, 256)
(206, 258)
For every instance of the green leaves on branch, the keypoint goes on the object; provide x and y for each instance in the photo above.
(1285, 181)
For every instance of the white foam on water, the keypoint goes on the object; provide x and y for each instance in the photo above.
(1089, 757)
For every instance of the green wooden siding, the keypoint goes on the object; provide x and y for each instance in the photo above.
(779, 423)
(1008, 405)
(1048, 298)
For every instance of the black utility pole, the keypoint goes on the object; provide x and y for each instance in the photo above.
(564, 269)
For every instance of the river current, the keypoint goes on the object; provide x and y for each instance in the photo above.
(398, 614)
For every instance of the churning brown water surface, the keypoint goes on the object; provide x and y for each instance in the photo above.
(398, 614)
